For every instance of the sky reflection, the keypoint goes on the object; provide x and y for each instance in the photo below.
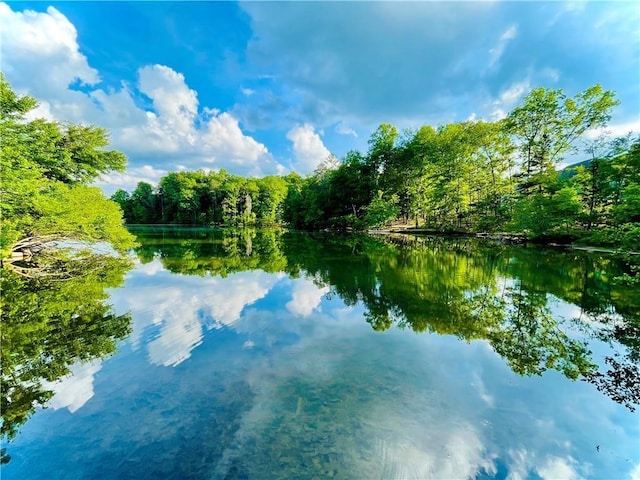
(276, 377)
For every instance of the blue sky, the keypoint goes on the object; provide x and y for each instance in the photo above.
(268, 87)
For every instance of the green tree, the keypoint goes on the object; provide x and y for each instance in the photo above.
(548, 123)
(142, 204)
(122, 198)
(44, 195)
(271, 194)
(381, 210)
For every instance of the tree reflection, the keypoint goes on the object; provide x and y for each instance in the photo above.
(498, 293)
(48, 325)
(200, 251)
(532, 341)
(472, 289)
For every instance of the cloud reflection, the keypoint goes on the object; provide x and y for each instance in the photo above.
(305, 297)
(75, 389)
(457, 412)
(173, 309)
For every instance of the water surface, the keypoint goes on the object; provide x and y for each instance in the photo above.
(258, 354)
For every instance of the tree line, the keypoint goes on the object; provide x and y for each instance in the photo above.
(472, 176)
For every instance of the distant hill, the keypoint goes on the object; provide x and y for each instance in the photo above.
(568, 172)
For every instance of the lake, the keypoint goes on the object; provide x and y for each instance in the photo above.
(259, 354)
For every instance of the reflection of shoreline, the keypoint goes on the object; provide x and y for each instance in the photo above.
(467, 287)
(290, 379)
(55, 335)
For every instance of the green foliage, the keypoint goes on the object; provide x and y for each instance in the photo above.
(45, 168)
(544, 215)
(548, 123)
(200, 251)
(381, 211)
(472, 176)
(80, 213)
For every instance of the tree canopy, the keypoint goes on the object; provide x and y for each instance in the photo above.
(472, 176)
(45, 194)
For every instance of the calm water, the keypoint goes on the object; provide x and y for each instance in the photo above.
(258, 355)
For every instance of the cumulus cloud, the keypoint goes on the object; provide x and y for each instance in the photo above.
(307, 147)
(557, 467)
(176, 103)
(30, 38)
(176, 130)
(130, 179)
(405, 63)
(41, 56)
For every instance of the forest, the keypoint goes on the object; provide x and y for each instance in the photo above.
(472, 176)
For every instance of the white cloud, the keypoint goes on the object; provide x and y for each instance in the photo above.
(498, 114)
(29, 38)
(176, 103)
(343, 129)
(129, 179)
(171, 129)
(305, 297)
(307, 148)
(247, 92)
(615, 130)
(41, 56)
(496, 52)
(556, 467)
(225, 138)
(508, 99)
(42, 110)
(75, 389)
(514, 93)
